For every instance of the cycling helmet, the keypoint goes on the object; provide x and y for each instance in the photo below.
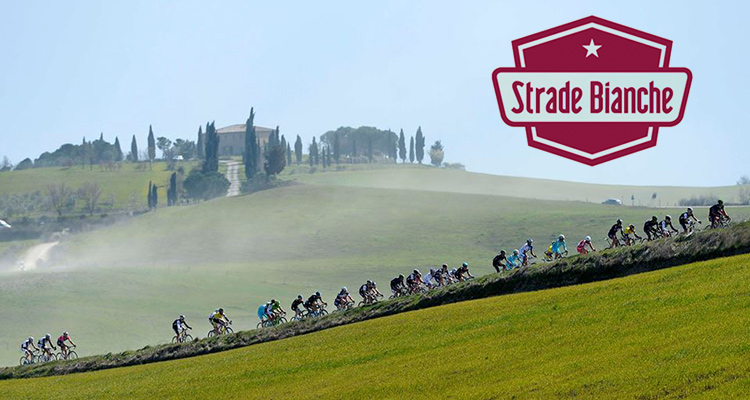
(632, 226)
(317, 294)
(690, 210)
(273, 300)
(432, 271)
(31, 338)
(561, 237)
(65, 333)
(445, 265)
(221, 311)
(465, 264)
(587, 238)
(619, 222)
(502, 251)
(515, 252)
(529, 240)
(401, 276)
(182, 316)
(374, 284)
(299, 296)
(416, 271)
(654, 218)
(48, 336)
(344, 289)
(668, 218)
(721, 202)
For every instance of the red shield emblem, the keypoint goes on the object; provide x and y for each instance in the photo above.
(592, 90)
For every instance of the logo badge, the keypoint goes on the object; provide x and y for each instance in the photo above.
(592, 90)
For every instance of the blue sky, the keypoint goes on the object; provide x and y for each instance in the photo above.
(76, 69)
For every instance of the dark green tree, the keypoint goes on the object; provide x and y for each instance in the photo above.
(419, 145)
(411, 149)
(118, 150)
(156, 196)
(151, 144)
(201, 144)
(275, 155)
(133, 150)
(252, 151)
(328, 155)
(211, 163)
(315, 152)
(172, 191)
(288, 154)
(150, 196)
(298, 150)
(402, 146)
(369, 150)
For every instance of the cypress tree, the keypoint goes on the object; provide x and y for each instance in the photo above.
(402, 146)
(151, 144)
(149, 197)
(118, 150)
(172, 192)
(133, 150)
(411, 149)
(201, 144)
(369, 149)
(419, 149)
(289, 154)
(316, 154)
(310, 156)
(298, 150)
(252, 150)
(211, 163)
(155, 196)
(328, 155)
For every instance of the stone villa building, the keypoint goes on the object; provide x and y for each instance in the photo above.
(232, 139)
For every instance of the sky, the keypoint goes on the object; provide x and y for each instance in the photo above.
(75, 69)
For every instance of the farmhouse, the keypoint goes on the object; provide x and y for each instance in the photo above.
(232, 139)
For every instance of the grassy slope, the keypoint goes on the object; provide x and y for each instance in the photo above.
(241, 251)
(672, 333)
(425, 178)
(121, 184)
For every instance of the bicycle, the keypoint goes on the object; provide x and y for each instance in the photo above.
(69, 355)
(267, 323)
(26, 361)
(182, 337)
(224, 329)
(402, 291)
(43, 357)
(369, 299)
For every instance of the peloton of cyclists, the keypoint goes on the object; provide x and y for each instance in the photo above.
(581, 248)
(686, 218)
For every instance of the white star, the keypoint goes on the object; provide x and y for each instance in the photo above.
(592, 49)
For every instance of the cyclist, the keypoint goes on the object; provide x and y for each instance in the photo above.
(499, 261)
(527, 249)
(413, 280)
(651, 228)
(685, 219)
(178, 326)
(61, 342)
(219, 320)
(612, 235)
(583, 243)
(716, 214)
(463, 270)
(666, 226)
(559, 247)
(295, 307)
(42, 344)
(276, 310)
(628, 235)
(397, 285)
(374, 290)
(428, 278)
(314, 303)
(514, 261)
(442, 277)
(28, 351)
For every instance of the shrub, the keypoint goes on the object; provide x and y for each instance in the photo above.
(209, 185)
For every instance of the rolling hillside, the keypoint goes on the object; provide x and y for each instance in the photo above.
(454, 181)
(675, 333)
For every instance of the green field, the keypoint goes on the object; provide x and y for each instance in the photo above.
(674, 333)
(447, 180)
(126, 186)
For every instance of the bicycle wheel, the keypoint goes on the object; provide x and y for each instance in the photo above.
(228, 331)
(175, 339)
(53, 357)
(187, 338)
(23, 360)
(72, 355)
(283, 320)
(323, 312)
(210, 333)
(259, 326)
(361, 303)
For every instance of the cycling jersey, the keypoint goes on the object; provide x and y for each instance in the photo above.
(650, 225)
(217, 316)
(613, 230)
(525, 248)
(514, 261)
(296, 303)
(25, 344)
(363, 290)
(411, 279)
(496, 262)
(629, 231)
(396, 283)
(262, 312)
(581, 245)
(559, 247)
(664, 225)
(716, 210)
(62, 339)
(176, 325)
(427, 278)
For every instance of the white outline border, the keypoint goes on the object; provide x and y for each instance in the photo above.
(577, 29)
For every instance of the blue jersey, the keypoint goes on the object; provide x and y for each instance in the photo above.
(559, 247)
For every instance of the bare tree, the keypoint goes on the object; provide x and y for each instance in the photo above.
(744, 180)
(59, 196)
(6, 165)
(90, 193)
